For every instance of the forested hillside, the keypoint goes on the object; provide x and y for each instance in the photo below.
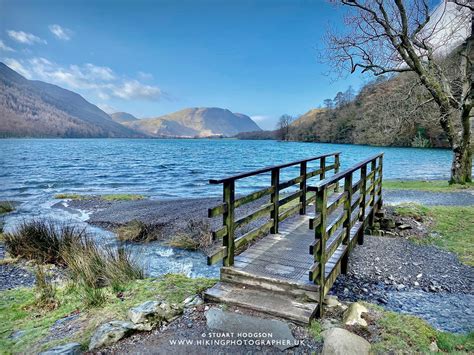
(386, 112)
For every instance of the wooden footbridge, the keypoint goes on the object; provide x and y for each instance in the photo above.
(302, 238)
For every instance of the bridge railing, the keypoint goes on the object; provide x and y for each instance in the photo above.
(341, 218)
(276, 208)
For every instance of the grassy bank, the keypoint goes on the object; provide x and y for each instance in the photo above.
(109, 197)
(426, 185)
(20, 315)
(395, 333)
(452, 228)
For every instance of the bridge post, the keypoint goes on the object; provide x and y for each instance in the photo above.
(379, 192)
(303, 167)
(322, 166)
(347, 221)
(363, 178)
(373, 168)
(320, 234)
(336, 170)
(228, 219)
(275, 199)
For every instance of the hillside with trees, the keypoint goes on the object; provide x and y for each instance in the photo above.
(386, 112)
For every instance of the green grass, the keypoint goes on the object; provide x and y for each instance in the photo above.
(427, 185)
(452, 225)
(400, 333)
(19, 313)
(315, 329)
(109, 197)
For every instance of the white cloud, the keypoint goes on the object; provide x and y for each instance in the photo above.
(60, 32)
(133, 89)
(25, 38)
(99, 80)
(18, 67)
(5, 48)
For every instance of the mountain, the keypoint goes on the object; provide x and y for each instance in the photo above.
(122, 117)
(30, 108)
(196, 122)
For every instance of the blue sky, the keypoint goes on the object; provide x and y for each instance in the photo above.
(154, 57)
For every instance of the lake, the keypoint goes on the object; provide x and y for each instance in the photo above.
(34, 170)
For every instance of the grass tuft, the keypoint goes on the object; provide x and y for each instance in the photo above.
(417, 212)
(45, 291)
(42, 240)
(136, 231)
(196, 236)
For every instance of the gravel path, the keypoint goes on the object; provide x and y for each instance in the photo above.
(429, 198)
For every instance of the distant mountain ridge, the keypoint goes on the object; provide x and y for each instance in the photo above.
(122, 117)
(196, 122)
(37, 109)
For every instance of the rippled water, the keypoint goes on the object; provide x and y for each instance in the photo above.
(34, 170)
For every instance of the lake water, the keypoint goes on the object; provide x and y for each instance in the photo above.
(34, 170)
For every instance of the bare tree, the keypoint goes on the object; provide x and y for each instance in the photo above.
(283, 127)
(395, 36)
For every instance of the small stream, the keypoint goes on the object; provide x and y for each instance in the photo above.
(450, 312)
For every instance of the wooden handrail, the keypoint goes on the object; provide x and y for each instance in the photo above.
(336, 177)
(269, 168)
(275, 209)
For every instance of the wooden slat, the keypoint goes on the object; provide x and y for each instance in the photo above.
(336, 223)
(268, 169)
(254, 233)
(263, 211)
(314, 271)
(253, 196)
(290, 198)
(216, 211)
(334, 242)
(313, 173)
(337, 202)
(314, 246)
(290, 183)
(218, 255)
(220, 233)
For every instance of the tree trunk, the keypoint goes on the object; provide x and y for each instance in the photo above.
(461, 169)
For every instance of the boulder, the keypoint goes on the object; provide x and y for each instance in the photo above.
(353, 315)
(192, 301)
(66, 349)
(434, 347)
(110, 332)
(144, 313)
(338, 341)
(168, 312)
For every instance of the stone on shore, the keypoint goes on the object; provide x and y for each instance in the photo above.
(144, 313)
(353, 315)
(338, 341)
(109, 333)
(192, 301)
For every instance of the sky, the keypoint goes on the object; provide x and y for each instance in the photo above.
(151, 58)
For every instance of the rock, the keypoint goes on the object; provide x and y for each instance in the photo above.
(168, 312)
(352, 316)
(192, 301)
(66, 349)
(230, 322)
(331, 301)
(404, 227)
(109, 333)
(338, 341)
(387, 223)
(144, 313)
(400, 287)
(434, 347)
